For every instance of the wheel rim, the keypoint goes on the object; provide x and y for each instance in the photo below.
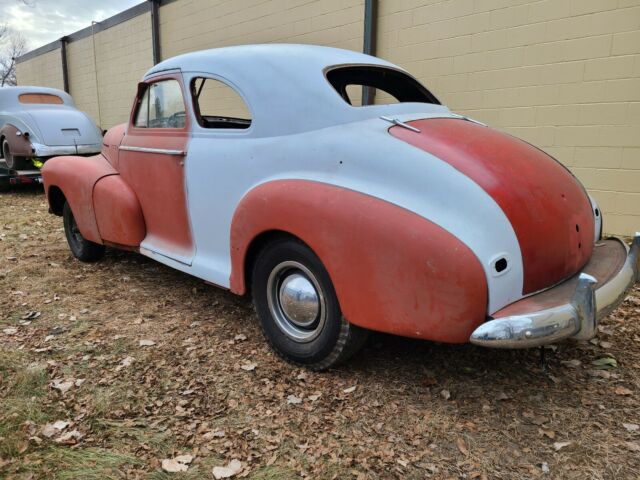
(296, 301)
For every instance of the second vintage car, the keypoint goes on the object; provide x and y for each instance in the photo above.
(261, 169)
(37, 123)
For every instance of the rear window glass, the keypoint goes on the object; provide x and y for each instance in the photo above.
(43, 98)
(385, 85)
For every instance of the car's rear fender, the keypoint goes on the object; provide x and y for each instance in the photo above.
(393, 270)
(19, 144)
(76, 178)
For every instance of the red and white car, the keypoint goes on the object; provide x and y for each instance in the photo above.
(338, 218)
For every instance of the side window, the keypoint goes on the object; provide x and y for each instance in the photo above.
(162, 106)
(217, 105)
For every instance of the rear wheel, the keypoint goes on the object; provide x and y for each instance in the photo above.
(81, 248)
(14, 162)
(298, 307)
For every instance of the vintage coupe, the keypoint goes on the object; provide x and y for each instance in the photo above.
(338, 218)
(37, 123)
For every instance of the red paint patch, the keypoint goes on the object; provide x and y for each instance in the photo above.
(547, 207)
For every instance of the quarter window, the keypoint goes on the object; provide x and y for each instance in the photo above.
(162, 106)
(217, 105)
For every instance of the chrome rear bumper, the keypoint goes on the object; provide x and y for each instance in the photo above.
(577, 318)
(40, 150)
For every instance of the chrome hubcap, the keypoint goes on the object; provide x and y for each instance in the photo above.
(296, 301)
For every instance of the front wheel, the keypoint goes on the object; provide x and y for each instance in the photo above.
(298, 307)
(81, 248)
(14, 162)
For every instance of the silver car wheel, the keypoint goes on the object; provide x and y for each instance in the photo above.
(296, 301)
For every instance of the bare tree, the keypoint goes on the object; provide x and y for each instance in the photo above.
(12, 45)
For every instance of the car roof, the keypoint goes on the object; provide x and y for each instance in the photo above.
(284, 85)
(9, 95)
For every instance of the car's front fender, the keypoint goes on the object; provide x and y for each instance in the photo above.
(393, 270)
(76, 178)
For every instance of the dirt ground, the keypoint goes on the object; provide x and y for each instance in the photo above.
(108, 369)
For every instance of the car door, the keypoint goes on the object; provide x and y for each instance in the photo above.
(151, 160)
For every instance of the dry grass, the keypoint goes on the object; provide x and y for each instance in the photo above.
(501, 421)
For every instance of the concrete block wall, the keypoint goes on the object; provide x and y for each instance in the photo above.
(123, 55)
(562, 74)
(44, 70)
(189, 25)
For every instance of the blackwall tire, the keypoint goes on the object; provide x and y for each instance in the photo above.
(81, 248)
(298, 308)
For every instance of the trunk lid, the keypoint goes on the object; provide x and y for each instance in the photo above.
(65, 126)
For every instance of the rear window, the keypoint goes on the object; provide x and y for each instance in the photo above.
(385, 85)
(42, 98)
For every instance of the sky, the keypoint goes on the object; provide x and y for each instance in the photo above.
(43, 21)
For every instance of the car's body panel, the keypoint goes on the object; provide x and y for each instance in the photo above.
(378, 165)
(545, 204)
(76, 177)
(19, 144)
(111, 143)
(53, 129)
(380, 258)
(127, 228)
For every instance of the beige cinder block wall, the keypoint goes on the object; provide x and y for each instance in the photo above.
(123, 54)
(562, 74)
(44, 70)
(186, 26)
(82, 77)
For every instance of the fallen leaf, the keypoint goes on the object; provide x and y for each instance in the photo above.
(560, 445)
(545, 468)
(350, 389)
(293, 399)
(48, 430)
(10, 331)
(548, 433)
(249, 366)
(575, 363)
(631, 427)
(240, 337)
(462, 446)
(147, 343)
(171, 465)
(314, 397)
(233, 468)
(605, 344)
(126, 362)
(502, 396)
(624, 391)
(63, 385)
(60, 425)
(69, 438)
(446, 394)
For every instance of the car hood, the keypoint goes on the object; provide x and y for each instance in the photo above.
(64, 126)
(548, 208)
